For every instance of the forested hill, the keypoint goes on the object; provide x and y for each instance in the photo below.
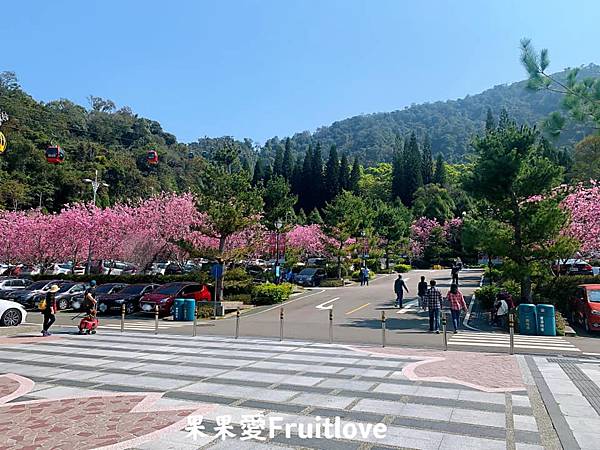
(450, 124)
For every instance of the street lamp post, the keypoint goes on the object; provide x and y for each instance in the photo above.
(278, 226)
(95, 185)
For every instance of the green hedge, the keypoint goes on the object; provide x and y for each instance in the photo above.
(333, 282)
(402, 268)
(558, 291)
(486, 296)
(205, 311)
(270, 294)
(246, 299)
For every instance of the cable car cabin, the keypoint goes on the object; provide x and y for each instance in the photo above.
(191, 155)
(152, 157)
(55, 154)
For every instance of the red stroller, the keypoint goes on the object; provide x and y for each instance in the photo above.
(88, 325)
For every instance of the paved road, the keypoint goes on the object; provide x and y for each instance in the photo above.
(356, 319)
(122, 389)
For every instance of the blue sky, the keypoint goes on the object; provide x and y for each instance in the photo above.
(260, 68)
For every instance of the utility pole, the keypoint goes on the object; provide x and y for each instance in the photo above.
(95, 185)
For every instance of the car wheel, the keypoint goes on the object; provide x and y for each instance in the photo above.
(586, 324)
(63, 303)
(129, 308)
(11, 318)
(102, 308)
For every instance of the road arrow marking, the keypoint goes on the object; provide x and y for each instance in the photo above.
(322, 305)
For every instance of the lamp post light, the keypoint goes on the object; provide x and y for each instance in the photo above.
(95, 185)
(278, 226)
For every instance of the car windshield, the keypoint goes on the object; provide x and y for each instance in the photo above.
(133, 290)
(308, 272)
(104, 289)
(65, 287)
(594, 296)
(65, 266)
(37, 285)
(168, 289)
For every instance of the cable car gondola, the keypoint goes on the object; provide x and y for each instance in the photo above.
(55, 154)
(152, 157)
(191, 155)
(2, 143)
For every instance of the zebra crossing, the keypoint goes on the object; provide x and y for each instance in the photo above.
(143, 325)
(521, 342)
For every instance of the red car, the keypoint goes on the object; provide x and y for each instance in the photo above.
(167, 293)
(585, 307)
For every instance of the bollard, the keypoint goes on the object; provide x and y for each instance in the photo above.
(195, 321)
(156, 319)
(445, 328)
(237, 323)
(122, 318)
(331, 326)
(281, 324)
(383, 328)
(511, 330)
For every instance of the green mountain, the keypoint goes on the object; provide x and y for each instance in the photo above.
(449, 124)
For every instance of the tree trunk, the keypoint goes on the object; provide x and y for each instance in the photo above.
(526, 294)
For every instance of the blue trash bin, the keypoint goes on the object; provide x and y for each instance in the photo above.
(546, 320)
(178, 309)
(189, 309)
(527, 319)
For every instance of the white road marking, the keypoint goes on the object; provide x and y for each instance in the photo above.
(483, 339)
(357, 309)
(322, 305)
(408, 307)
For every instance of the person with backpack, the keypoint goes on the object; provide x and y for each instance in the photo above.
(421, 291)
(457, 304)
(89, 299)
(48, 309)
(399, 288)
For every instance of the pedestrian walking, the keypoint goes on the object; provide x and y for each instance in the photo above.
(433, 299)
(89, 299)
(457, 304)
(367, 275)
(500, 318)
(421, 291)
(399, 288)
(49, 309)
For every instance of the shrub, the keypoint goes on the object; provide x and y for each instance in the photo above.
(560, 324)
(205, 312)
(493, 274)
(237, 274)
(246, 299)
(332, 271)
(402, 268)
(486, 296)
(270, 294)
(332, 282)
(558, 291)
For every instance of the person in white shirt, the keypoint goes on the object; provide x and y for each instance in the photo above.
(501, 312)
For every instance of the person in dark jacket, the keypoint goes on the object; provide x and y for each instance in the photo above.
(399, 285)
(421, 291)
(49, 310)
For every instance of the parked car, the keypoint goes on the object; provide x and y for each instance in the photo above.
(129, 296)
(8, 284)
(65, 269)
(572, 267)
(167, 293)
(108, 267)
(310, 276)
(101, 291)
(11, 313)
(317, 261)
(585, 307)
(30, 296)
(67, 292)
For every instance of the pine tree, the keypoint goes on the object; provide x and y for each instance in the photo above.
(268, 173)
(259, 172)
(278, 162)
(413, 177)
(504, 120)
(287, 165)
(301, 217)
(316, 179)
(427, 161)
(439, 176)
(490, 122)
(344, 173)
(354, 177)
(305, 190)
(296, 179)
(332, 175)
(314, 217)
(397, 169)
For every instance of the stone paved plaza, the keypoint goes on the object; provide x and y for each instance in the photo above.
(136, 390)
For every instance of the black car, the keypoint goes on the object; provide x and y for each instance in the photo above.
(310, 277)
(129, 296)
(10, 284)
(30, 296)
(67, 292)
(101, 291)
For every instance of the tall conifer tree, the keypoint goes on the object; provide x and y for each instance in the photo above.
(354, 177)
(316, 179)
(427, 161)
(278, 162)
(344, 173)
(439, 176)
(397, 169)
(287, 165)
(413, 177)
(490, 122)
(331, 185)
